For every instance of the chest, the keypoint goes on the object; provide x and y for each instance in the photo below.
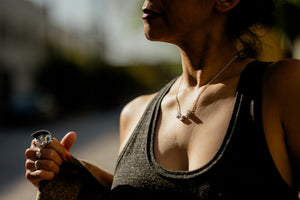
(189, 145)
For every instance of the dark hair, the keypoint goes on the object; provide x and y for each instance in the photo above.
(246, 14)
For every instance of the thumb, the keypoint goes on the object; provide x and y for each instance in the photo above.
(68, 140)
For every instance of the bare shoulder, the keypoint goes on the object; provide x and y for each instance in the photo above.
(283, 73)
(282, 84)
(282, 88)
(131, 115)
(282, 79)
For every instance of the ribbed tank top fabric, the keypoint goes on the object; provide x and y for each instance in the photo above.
(242, 168)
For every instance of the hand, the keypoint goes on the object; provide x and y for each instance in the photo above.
(52, 156)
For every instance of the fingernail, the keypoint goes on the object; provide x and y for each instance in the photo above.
(68, 157)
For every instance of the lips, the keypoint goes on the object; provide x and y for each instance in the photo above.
(150, 14)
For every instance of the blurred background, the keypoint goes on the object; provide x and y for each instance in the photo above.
(73, 64)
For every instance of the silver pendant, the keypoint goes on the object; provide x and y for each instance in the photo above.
(181, 117)
(188, 114)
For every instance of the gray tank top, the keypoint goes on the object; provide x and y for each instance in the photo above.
(242, 169)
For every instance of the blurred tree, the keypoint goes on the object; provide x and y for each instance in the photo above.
(288, 18)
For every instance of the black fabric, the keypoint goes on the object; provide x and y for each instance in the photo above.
(242, 168)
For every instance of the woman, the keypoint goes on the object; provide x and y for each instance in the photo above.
(227, 128)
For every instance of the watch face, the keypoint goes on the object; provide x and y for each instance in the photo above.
(42, 138)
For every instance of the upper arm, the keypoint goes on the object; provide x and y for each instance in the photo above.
(286, 84)
(130, 116)
(291, 112)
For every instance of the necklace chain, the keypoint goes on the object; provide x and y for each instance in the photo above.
(189, 112)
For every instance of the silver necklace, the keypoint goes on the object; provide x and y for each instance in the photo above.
(189, 112)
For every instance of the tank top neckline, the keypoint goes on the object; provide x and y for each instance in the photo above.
(242, 161)
(219, 153)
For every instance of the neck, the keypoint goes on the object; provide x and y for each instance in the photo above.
(201, 61)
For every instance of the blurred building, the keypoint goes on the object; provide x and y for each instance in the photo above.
(25, 34)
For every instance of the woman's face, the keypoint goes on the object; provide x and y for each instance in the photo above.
(174, 20)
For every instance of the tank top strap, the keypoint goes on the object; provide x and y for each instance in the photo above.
(252, 77)
(250, 86)
(145, 122)
(162, 92)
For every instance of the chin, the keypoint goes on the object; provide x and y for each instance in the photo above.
(151, 36)
(153, 31)
(154, 35)
(148, 30)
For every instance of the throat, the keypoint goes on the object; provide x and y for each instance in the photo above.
(187, 116)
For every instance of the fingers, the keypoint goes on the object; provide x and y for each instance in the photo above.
(68, 140)
(46, 154)
(43, 165)
(39, 170)
(43, 168)
(63, 147)
(46, 164)
(36, 176)
(60, 149)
